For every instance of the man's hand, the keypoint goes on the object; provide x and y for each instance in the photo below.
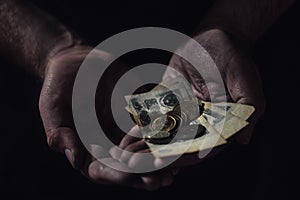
(239, 73)
(56, 113)
(241, 80)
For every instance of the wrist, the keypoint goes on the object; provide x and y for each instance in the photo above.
(63, 42)
(246, 20)
(235, 35)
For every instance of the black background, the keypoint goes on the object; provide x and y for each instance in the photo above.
(262, 170)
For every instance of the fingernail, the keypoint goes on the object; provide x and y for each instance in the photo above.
(159, 163)
(70, 156)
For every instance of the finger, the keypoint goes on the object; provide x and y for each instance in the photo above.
(56, 98)
(131, 149)
(245, 87)
(150, 182)
(115, 152)
(155, 180)
(132, 136)
(64, 140)
(244, 83)
(111, 171)
(209, 89)
(104, 171)
(167, 178)
(99, 152)
(142, 160)
(175, 68)
(57, 120)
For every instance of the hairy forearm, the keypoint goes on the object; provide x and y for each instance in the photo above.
(245, 19)
(29, 37)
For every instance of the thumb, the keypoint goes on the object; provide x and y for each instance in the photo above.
(66, 141)
(244, 85)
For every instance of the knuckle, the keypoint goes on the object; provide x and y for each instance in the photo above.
(125, 142)
(151, 183)
(129, 149)
(53, 139)
(125, 156)
(93, 172)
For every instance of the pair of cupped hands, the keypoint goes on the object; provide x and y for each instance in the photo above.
(240, 77)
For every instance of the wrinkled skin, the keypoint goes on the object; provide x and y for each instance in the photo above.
(239, 74)
(241, 80)
(56, 113)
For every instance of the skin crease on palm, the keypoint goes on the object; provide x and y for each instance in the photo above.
(243, 87)
(241, 80)
(56, 63)
(55, 108)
